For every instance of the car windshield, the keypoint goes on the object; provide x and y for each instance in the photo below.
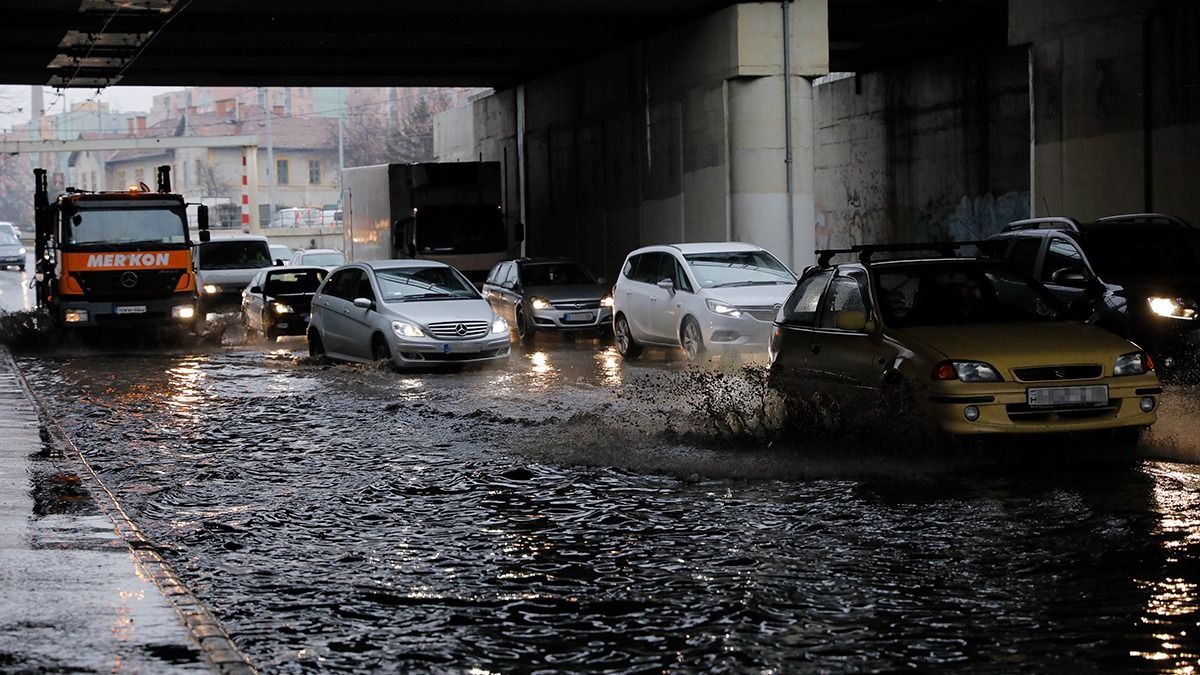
(1118, 251)
(402, 284)
(8, 239)
(961, 294)
(233, 255)
(117, 225)
(293, 283)
(738, 268)
(555, 274)
(329, 259)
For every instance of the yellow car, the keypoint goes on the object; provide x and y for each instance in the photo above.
(981, 346)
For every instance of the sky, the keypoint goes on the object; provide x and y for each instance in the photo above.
(14, 100)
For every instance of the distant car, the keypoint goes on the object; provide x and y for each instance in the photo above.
(978, 346)
(224, 267)
(556, 294)
(414, 313)
(12, 253)
(278, 300)
(1135, 275)
(6, 226)
(322, 257)
(720, 296)
(280, 254)
(301, 216)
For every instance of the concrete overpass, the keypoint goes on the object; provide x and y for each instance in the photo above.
(624, 122)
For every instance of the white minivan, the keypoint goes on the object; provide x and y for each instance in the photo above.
(719, 296)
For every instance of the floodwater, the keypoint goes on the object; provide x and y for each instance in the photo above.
(573, 512)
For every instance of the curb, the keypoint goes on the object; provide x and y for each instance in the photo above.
(215, 643)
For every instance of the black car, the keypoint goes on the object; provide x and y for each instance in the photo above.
(1137, 275)
(556, 294)
(278, 300)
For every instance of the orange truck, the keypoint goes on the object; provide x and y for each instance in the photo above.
(112, 259)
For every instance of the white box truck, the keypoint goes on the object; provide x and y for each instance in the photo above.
(450, 212)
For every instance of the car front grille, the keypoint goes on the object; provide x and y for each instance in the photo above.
(761, 312)
(1023, 413)
(575, 305)
(459, 330)
(1053, 373)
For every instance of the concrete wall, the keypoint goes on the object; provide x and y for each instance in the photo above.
(1116, 104)
(678, 138)
(929, 151)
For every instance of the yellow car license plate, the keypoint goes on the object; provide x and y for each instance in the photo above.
(1046, 397)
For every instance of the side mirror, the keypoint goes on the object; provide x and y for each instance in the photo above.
(666, 285)
(202, 217)
(205, 236)
(256, 290)
(851, 320)
(363, 303)
(1070, 276)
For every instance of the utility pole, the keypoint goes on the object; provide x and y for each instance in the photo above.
(270, 157)
(341, 155)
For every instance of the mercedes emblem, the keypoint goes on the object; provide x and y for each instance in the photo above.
(460, 329)
(129, 279)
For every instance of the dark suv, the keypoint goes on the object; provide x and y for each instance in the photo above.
(1137, 275)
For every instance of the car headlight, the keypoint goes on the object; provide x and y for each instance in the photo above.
(22, 251)
(211, 289)
(966, 371)
(539, 303)
(722, 308)
(1172, 308)
(499, 325)
(606, 301)
(406, 329)
(1133, 363)
(281, 308)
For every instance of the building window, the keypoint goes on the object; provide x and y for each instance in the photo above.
(281, 171)
(314, 171)
(139, 176)
(121, 180)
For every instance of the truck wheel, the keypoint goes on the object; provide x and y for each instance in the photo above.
(626, 347)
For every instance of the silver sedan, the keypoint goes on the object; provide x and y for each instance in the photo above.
(414, 313)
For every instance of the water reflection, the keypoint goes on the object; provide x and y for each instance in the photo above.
(1174, 603)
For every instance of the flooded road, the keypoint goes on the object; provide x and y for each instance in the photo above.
(571, 512)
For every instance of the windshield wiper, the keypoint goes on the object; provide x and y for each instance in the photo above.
(728, 284)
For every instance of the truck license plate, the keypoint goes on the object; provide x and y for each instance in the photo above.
(578, 316)
(131, 309)
(1044, 397)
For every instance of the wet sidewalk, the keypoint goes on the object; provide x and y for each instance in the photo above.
(77, 592)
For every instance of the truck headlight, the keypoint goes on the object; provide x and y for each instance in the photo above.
(183, 312)
(966, 371)
(1172, 308)
(406, 329)
(75, 316)
(722, 308)
(1133, 363)
(211, 289)
(281, 308)
(499, 325)
(539, 303)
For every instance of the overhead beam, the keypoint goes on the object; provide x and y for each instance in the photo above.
(164, 143)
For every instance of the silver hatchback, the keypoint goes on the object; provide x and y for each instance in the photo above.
(415, 313)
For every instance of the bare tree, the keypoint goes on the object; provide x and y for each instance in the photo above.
(370, 137)
(16, 188)
(212, 183)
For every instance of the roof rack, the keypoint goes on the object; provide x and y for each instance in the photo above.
(1043, 223)
(865, 251)
(1163, 218)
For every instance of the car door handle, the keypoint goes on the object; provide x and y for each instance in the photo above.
(816, 349)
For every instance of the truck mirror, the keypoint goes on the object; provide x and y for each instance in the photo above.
(202, 217)
(205, 236)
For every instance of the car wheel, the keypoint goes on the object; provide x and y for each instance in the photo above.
(316, 348)
(525, 329)
(379, 349)
(626, 347)
(21, 267)
(691, 339)
(271, 335)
